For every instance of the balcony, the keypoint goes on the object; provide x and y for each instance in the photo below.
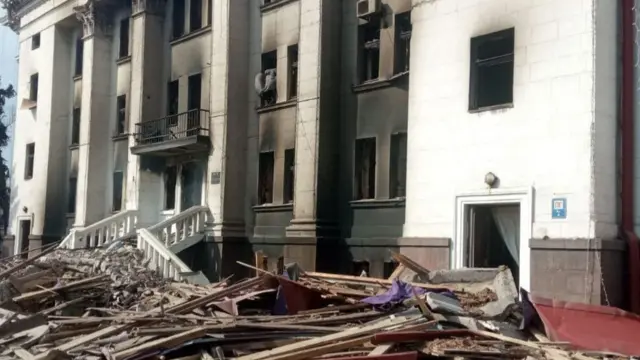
(179, 134)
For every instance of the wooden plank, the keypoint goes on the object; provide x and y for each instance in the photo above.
(166, 342)
(321, 350)
(371, 281)
(399, 269)
(49, 291)
(381, 349)
(26, 263)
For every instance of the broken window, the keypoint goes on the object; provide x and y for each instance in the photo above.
(403, 42)
(194, 91)
(365, 171)
(292, 56)
(178, 18)
(118, 182)
(195, 15)
(35, 41)
(491, 75)
(75, 127)
(170, 180)
(289, 174)
(29, 160)
(369, 36)
(122, 114)
(265, 181)
(79, 55)
(71, 200)
(124, 38)
(33, 89)
(269, 63)
(398, 166)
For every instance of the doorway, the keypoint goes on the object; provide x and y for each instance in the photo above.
(192, 180)
(494, 237)
(25, 231)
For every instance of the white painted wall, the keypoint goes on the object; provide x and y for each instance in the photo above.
(559, 137)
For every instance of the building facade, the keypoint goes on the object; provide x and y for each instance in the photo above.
(460, 133)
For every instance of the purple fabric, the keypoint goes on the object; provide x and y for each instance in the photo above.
(399, 292)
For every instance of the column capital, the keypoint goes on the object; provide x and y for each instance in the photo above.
(94, 19)
(153, 7)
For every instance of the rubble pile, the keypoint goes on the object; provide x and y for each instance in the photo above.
(107, 304)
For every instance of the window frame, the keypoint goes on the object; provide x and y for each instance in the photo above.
(366, 48)
(30, 160)
(402, 38)
(75, 126)
(121, 115)
(398, 164)
(266, 177)
(359, 162)
(34, 82)
(115, 205)
(123, 46)
(72, 196)
(35, 41)
(292, 71)
(288, 183)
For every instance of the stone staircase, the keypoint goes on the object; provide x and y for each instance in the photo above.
(162, 243)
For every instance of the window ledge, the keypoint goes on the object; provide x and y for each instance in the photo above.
(74, 146)
(277, 106)
(273, 208)
(274, 5)
(376, 84)
(123, 60)
(491, 108)
(77, 77)
(190, 35)
(120, 137)
(377, 203)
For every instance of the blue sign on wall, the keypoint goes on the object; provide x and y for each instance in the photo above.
(559, 208)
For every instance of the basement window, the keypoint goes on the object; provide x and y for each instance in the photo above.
(360, 268)
(195, 15)
(170, 180)
(398, 166)
(269, 63)
(118, 182)
(124, 38)
(177, 19)
(289, 174)
(265, 180)
(71, 200)
(79, 56)
(33, 88)
(402, 42)
(491, 75)
(122, 114)
(75, 127)
(35, 41)
(29, 161)
(369, 38)
(292, 71)
(365, 170)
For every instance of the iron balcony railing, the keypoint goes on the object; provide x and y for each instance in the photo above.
(173, 127)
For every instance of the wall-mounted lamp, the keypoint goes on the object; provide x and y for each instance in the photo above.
(491, 179)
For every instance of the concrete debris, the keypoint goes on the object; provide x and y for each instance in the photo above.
(106, 304)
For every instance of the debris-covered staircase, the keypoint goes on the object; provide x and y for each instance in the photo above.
(168, 245)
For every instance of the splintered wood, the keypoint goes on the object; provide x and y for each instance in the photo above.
(107, 304)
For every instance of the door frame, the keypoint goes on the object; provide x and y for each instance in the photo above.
(520, 196)
(17, 244)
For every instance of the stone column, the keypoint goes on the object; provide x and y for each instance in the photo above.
(227, 161)
(317, 145)
(147, 88)
(93, 175)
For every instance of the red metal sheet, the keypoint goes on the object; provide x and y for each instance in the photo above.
(590, 327)
(414, 336)
(409, 355)
(299, 297)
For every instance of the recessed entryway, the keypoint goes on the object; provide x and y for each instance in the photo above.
(493, 230)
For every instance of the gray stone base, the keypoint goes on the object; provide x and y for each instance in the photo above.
(579, 270)
(220, 255)
(8, 242)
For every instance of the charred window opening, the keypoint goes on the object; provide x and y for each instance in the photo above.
(35, 41)
(122, 114)
(194, 91)
(172, 102)
(75, 127)
(289, 175)
(360, 268)
(124, 38)
(369, 35)
(170, 180)
(398, 166)
(79, 56)
(29, 160)
(292, 56)
(195, 15)
(209, 12)
(177, 20)
(33, 88)
(118, 182)
(268, 93)
(365, 171)
(265, 181)
(71, 199)
(491, 75)
(389, 268)
(402, 42)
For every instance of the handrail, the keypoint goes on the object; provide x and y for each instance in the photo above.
(106, 221)
(103, 231)
(68, 240)
(194, 122)
(144, 235)
(178, 217)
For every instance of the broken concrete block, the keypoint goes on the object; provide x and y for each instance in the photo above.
(443, 304)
